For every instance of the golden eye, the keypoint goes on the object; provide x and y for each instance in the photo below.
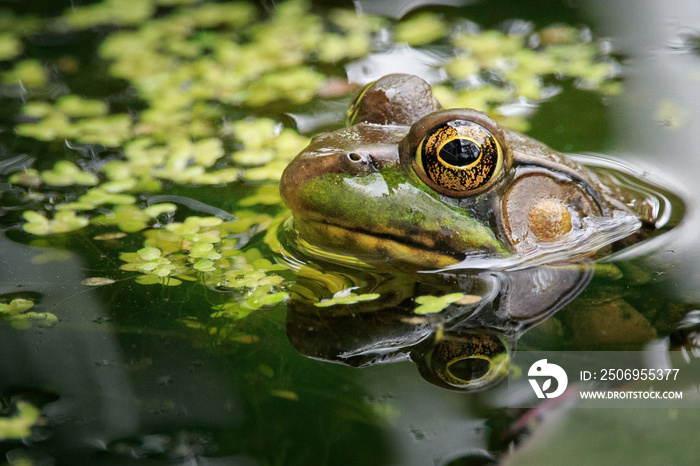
(459, 158)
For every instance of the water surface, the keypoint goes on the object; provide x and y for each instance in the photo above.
(133, 372)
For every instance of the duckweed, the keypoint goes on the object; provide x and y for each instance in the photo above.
(185, 62)
(10, 46)
(208, 83)
(115, 12)
(111, 130)
(346, 296)
(29, 177)
(433, 304)
(518, 69)
(17, 313)
(77, 107)
(64, 222)
(285, 394)
(10, 22)
(421, 29)
(296, 85)
(264, 195)
(19, 424)
(27, 73)
(672, 115)
(49, 254)
(16, 307)
(96, 197)
(66, 173)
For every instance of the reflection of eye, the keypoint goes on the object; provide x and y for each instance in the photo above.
(459, 158)
(464, 360)
(466, 370)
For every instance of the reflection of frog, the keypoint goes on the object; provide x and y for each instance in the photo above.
(411, 182)
(469, 344)
(464, 347)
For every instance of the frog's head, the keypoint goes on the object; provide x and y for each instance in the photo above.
(409, 181)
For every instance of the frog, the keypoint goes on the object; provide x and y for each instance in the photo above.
(409, 182)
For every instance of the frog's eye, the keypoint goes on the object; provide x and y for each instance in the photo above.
(459, 158)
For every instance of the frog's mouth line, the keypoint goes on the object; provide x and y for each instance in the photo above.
(371, 246)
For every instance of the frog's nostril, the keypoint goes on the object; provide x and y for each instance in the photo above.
(357, 163)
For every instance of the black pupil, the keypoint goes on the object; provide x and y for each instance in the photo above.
(460, 152)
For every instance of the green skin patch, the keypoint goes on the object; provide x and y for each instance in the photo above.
(391, 208)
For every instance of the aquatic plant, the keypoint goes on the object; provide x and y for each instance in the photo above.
(203, 90)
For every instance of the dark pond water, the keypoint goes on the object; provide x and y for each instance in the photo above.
(236, 365)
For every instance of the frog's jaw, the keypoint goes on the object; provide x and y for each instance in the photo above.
(359, 246)
(381, 216)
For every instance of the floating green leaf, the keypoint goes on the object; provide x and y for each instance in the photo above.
(29, 177)
(204, 265)
(27, 73)
(16, 307)
(117, 12)
(433, 304)
(127, 218)
(422, 28)
(64, 222)
(346, 296)
(77, 107)
(10, 46)
(18, 315)
(148, 254)
(19, 424)
(66, 173)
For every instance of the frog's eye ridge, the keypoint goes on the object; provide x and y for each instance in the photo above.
(459, 157)
(354, 106)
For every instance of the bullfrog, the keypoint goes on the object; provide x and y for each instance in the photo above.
(409, 182)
